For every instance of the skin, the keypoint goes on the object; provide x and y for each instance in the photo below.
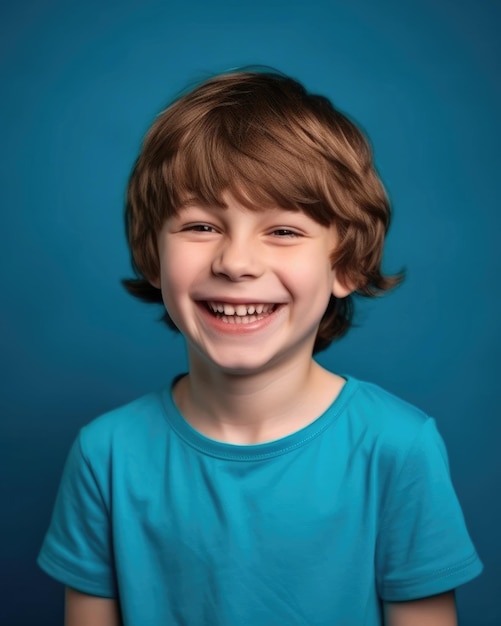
(255, 382)
(84, 610)
(439, 610)
(237, 255)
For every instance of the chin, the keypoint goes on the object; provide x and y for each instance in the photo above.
(249, 366)
(241, 369)
(248, 360)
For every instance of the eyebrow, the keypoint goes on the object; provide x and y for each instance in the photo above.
(196, 202)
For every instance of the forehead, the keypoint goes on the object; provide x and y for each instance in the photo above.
(234, 213)
(256, 199)
(236, 196)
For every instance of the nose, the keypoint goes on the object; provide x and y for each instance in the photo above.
(237, 259)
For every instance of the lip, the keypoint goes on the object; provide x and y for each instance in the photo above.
(235, 301)
(215, 323)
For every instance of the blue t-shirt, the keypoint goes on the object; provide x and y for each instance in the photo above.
(314, 529)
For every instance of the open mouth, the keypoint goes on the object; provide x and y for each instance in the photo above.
(240, 313)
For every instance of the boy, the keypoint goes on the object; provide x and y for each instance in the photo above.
(258, 489)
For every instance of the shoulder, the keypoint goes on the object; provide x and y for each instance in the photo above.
(381, 411)
(128, 428)
(394, 427)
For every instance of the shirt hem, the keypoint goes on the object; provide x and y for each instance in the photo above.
(439, 582)
(60, 573)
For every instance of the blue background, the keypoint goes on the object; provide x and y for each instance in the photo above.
(82, 81)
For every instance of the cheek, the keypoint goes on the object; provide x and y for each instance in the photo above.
(179, 273)
(313, 278)
(171, 282)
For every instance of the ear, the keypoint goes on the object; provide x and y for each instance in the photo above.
(155, 282)
(152, 277)
(341, 287)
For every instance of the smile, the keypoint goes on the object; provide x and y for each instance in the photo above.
(240, 313)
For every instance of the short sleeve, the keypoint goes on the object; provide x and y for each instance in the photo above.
(423, 545)
(77, 549)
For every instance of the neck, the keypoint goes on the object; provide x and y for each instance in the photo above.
(250, 409)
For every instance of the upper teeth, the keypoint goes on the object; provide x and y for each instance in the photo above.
(240, 309)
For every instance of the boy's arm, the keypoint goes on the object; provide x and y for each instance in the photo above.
(437, 610)
(84, 610)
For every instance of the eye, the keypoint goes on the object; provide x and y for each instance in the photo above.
(285, 232)
(199, 228)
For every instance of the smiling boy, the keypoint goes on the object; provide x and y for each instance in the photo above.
(258, 488)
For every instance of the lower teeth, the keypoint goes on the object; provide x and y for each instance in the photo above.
(237, 319)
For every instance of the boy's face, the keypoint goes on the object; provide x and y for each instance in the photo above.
(246, 288)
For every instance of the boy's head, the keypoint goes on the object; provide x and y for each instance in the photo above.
(262, 137)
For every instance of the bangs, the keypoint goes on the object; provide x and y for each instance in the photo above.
(258, 161)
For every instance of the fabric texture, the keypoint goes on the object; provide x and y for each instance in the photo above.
(317, 528)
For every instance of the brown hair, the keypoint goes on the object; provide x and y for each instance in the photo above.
(264, 138)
